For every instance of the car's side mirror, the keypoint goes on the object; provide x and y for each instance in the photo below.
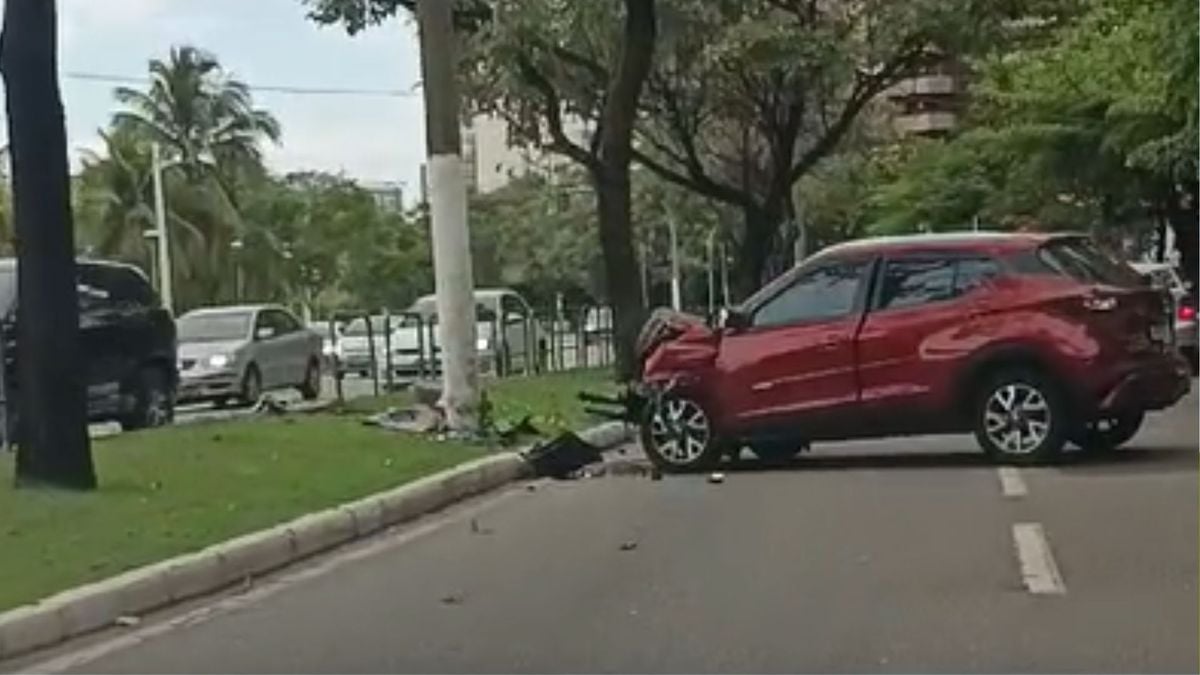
(264, 333)
(734, 320)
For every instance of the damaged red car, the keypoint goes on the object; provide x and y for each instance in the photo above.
(1028, 341)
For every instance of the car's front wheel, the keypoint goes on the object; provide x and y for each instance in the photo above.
(1109, 432)
(154, 401)
(678, 435)
(1020, 418)
(251, 386)
(310, 388)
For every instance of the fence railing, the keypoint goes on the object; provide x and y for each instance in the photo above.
(394, 347)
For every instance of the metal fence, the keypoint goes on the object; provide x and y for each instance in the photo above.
(392, 348)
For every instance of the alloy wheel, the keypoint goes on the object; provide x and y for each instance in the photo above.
(680, 431)
(1017, 418)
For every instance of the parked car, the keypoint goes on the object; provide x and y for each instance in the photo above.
(330, 342)
(1027, 340)
(514, 347)
(127, 340)
(239, 352)
(354, 347)
(1183, 305)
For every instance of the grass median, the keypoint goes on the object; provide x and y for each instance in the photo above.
(179, 489)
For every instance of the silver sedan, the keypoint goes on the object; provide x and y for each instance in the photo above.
(240, 352)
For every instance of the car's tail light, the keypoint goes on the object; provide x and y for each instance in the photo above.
(1187, 313)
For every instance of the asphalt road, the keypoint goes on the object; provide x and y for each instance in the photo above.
(901, 555)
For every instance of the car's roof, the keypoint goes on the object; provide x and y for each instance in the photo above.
(231, 309)
(480, 294)
(990, 242)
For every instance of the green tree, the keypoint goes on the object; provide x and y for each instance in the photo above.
(748, 96)
(1095, 129)
(522, 62)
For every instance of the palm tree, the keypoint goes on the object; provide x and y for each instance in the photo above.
(211, 133)
(202, 117)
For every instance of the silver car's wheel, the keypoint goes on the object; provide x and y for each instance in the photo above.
(678, 434)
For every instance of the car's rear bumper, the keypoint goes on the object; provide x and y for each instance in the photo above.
(1153, 385)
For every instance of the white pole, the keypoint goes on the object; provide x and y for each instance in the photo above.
(453, 280)
(160, 222)
(676, 290)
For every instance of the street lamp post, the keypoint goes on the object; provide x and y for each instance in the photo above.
(160, 227)
(237, 245)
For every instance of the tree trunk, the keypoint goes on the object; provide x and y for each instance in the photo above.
(610, 174)
(53, 445)
(753, 251)
(620, 263)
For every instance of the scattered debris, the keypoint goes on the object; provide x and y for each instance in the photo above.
(562, 457)
(531, 487)
(269, 405)
(419, 419)
(511, 432)
(628, 545)
(716, 477)
(127, 621)
(476, 529)
(452, 599)
(655, 473)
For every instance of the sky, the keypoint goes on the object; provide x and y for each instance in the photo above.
(263, 43)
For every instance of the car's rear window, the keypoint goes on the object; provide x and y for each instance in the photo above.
(1084, 261)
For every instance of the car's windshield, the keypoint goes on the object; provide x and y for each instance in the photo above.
(358, 327)
(213, 326)
(1083, 260)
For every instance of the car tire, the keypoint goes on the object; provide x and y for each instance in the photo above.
(310, 388)
(154, 401)
(677, 435)
(251, 386)
(1108, 433)
(1020, 417)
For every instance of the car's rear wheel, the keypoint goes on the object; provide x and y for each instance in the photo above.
(1020, 418)
(154, 401)
(310, 388)
(1109, 432)
(251, 386)
(678, 435)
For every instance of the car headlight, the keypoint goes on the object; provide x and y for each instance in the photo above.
(219, 360)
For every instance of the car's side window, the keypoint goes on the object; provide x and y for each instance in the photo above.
(514, 310)
(263, 320)
(971, 273)
(915, 281)
(827, 292)
(285, 323)
(92, 290)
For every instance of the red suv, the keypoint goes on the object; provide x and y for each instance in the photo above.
(1027, 340)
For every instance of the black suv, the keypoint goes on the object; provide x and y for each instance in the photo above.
(127, 344)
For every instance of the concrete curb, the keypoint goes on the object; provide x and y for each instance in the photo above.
(88, 608)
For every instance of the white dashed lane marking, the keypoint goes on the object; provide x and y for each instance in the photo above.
(1011, 483)
(1038, 569)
